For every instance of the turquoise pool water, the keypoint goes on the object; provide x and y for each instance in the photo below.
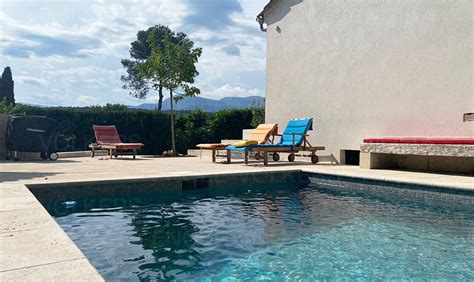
(271, 233)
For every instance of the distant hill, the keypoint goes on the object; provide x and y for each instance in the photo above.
(207, 105)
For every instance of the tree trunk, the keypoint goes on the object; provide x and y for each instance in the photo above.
(160, 98)
(173, 141)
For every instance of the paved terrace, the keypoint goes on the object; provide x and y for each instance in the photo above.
(87, 169)
(34, 247)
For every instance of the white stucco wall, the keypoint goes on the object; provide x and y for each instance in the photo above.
(371, 68)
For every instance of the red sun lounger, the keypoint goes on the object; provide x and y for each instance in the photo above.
(107, 138)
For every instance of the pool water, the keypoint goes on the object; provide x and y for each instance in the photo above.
(271, 233)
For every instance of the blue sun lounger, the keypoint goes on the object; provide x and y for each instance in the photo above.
(293, 140)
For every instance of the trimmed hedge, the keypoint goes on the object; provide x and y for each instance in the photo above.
(75, 126)
(149, 127)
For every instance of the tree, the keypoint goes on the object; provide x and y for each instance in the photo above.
(6, 86)
(173, 65)
(140, 51)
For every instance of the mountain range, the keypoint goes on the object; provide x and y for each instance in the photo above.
(206, 105)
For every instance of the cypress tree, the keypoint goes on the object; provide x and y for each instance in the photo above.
(2, 95)
(7, 86)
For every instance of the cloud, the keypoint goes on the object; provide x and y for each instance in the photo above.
(36, 82)
(227, 90)
(63, 52)
(16, 52)
(85, 100)
(45, 46)
(32, 82)
(231, 50)
(211, 14)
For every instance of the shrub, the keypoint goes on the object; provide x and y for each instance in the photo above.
(228, 124)
(191, 129)
(8, 108)
(258, 117)
(258, 114)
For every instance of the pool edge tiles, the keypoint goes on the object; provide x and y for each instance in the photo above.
(123, 187)
(34, 246)
(416, 178)
(184, 182)
(419, 191)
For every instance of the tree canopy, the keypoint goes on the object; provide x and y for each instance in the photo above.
(172, 65)
(141, 51)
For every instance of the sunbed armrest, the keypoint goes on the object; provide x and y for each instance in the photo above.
(299, 134)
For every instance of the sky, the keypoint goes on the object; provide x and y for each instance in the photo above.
(68, 52)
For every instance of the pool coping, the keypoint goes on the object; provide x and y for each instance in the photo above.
(34, 246)
(157, 178)
(60, 255)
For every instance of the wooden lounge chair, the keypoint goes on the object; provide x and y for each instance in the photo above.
(293, 140)
(264, 133)
(107, 138)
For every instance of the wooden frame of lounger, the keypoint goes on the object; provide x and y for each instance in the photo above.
(215, 148)
(113, 149)
(306, 147)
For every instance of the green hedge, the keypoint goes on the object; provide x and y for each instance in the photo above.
(75, 126)
(149, 127)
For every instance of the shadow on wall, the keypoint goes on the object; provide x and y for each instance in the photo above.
(284, 7)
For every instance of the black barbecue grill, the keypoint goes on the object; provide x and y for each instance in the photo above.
(32, 134)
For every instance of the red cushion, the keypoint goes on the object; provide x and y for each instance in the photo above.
(421, 140)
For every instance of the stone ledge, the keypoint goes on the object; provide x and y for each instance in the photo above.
(419, 149)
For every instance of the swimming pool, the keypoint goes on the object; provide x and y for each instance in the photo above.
(277, 232)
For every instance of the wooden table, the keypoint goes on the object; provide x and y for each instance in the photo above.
(215, 148)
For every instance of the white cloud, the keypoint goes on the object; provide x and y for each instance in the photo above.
(85, 100)
(98, 35)
(227, 90)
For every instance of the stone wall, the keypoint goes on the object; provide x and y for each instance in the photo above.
(447, 150)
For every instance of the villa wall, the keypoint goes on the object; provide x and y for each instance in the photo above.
(371, 68)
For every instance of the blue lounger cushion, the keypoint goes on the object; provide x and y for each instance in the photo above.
(296, 127)
(272, 145)
(239, 149)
